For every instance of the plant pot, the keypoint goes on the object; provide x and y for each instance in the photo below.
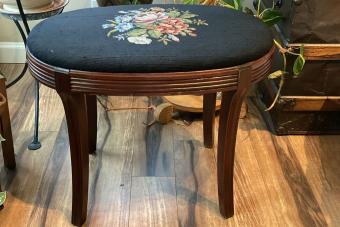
(26, 4)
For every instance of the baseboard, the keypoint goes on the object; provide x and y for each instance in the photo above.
(12, 52)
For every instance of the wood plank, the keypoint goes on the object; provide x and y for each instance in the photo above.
(115, 138)
(196, 185)
(320, 163)
(25, 185)
(282, 170)
(153, 202)
(319, 51)
(153, 145)
(311, 103)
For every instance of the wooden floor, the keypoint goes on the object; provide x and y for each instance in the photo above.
(162, 175)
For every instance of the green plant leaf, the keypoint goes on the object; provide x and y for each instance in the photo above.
(302, 49)
(191, 2)
(277, 74)
(248, 11)
(155, 34)
(237, 4)
(2, 198)
(271, 16)
(136, 32)
(227, 3)
(277, 43)
(298, 65)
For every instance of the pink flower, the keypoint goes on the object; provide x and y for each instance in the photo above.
(150, 17)
(172, 26)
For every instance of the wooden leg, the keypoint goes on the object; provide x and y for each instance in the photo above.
(77, 123)
(229, 117)
(209, 108)
(91, 106)
(6, 131)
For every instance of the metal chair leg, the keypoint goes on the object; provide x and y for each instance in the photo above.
(35, 142)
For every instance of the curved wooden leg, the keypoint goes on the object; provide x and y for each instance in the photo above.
(209, 108)
(91, 107)
(229, 117)
(77, 124)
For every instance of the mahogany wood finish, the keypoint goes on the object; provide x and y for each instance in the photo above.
(91, 110)
(76, 87)
(229, 117)
(5, 128)
(76, 111)
(209, 108)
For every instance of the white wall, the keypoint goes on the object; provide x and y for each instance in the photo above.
(11, 47)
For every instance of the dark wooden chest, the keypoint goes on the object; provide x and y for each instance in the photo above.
(309, 103)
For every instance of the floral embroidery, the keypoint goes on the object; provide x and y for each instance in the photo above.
(145, 25)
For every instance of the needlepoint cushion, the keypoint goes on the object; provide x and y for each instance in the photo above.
(153, 38)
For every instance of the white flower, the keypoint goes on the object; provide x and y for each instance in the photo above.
(139, 40)
(135, 11)
(105, 26)
(173, 38)
(119, 37)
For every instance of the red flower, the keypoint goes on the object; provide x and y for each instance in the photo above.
(172, 26)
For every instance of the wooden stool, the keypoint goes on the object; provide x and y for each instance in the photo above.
(5, 128)
(150, 51)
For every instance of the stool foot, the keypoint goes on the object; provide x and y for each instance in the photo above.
(35, 145)
(209, 108)
(229, 116)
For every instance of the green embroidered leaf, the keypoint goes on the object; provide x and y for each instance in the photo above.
(110, 32)
(277, 74)
(136, 32)
(2, 198)
(141, 25)
(188, 15)
(174, 13)
(271, 16)
(187, 21)
(154, 34)
(298, 65)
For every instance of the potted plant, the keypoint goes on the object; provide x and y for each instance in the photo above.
(269, 16)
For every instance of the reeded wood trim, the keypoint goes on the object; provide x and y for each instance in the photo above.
(171, 83)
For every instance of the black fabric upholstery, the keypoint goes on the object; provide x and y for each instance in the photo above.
(76, 40)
